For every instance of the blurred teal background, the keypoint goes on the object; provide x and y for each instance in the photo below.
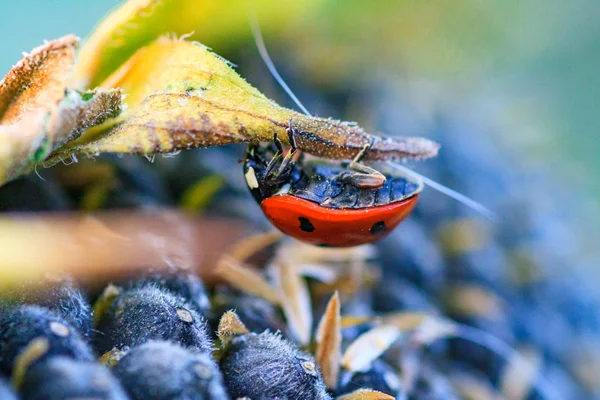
(543, 64)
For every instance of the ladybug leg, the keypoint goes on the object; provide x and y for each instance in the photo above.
(363, 177)
(291, 132)
(277, 157)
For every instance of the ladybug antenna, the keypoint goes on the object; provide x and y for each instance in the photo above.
(264, 54)
(469, 202)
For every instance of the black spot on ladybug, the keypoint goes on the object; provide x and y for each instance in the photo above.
(305, 225)
(378, 228)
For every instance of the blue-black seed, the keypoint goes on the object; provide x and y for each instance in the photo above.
(66, 298)
(380, 377)
(62, 378)
(431, 385)
(186, 285)
(397, 294)
(166, 371)
(150, 313)
(266, 366)
(21, 324)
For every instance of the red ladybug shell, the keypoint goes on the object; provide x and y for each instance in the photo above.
(311, 223)
(314, 203)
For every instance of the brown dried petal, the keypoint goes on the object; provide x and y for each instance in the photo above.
(249, 281)
(230, 325)
(295, 301)
(369, 346)
(329, 342)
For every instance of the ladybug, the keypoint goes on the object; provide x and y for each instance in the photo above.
(324, 203)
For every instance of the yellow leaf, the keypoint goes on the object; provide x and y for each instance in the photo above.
(180, 95)
(38, 112)
(136, 23)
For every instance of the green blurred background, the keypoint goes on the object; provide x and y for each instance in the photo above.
(534, 61)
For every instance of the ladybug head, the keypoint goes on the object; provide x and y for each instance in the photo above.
(264, 172)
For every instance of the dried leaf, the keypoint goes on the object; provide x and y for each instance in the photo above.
(180, 96)
(329, 342)
(366, 394)
(36, 83)
(245, 279)
(28, 94)
(229, 326)
(295, 301)
(38, 113)
(139, 22)
(79, 111)
(369, 346)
